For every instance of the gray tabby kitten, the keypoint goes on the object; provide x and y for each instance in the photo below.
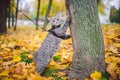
(51, 43)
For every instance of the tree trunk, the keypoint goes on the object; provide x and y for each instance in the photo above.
(87, 38)
(9, 15)
(12, 18)
(16, 14)
(37, 17)
(3, 15)
(47, 13)
(119, 13)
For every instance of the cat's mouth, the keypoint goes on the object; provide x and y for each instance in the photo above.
(55, 26)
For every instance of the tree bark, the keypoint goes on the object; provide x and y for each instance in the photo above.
(47, 14)
(16, 15)
(4, 4)
(119, 13)
(37, 17)
(9, 16)
(87, 39)
(12, 18)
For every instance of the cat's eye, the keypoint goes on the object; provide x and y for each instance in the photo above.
(57, 19)
(53, 20)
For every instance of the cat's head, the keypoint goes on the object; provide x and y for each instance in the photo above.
(57, 20)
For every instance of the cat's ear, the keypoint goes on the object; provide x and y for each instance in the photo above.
(59, 15)
(48, 18)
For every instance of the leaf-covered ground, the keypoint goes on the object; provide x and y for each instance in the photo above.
(17, 49)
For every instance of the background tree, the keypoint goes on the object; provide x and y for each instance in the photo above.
(87, 38)
(114, 15)
(37, 17)
(119, 12)
(4, 4)
(9, 15)
(16, 15)
(47, 14)
(12, 15)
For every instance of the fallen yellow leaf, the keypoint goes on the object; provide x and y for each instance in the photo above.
(36, 77)
(4, 73)
(16, 58)
(96, 75)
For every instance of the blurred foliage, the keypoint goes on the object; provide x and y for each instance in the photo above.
(114, 15)
(57, 6)
(12, 3)
(101, 7)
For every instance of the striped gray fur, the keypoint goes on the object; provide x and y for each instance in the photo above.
(49, 47)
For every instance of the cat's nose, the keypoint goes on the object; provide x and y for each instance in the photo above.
(56, 22)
